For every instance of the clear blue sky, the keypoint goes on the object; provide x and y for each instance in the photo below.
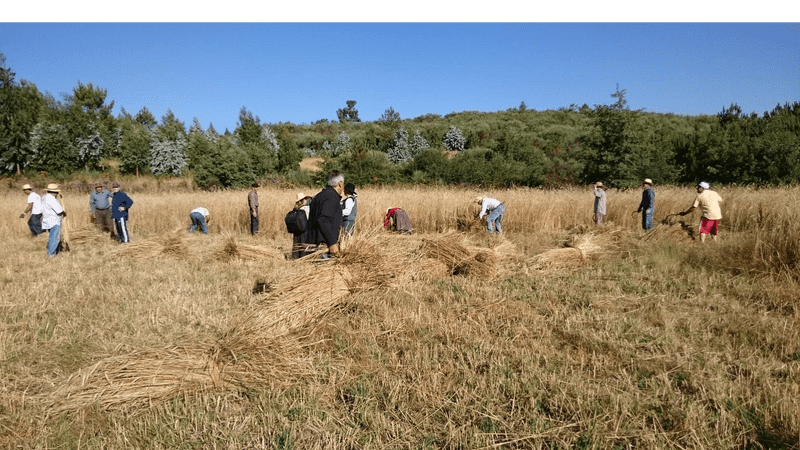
(303, 72)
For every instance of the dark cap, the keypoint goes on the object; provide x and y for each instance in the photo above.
(350, 187)
(255, 184)
(115, 185)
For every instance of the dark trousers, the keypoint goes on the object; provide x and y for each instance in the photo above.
(103, 220)
(35, 224)
(122, 230)
(253, 223)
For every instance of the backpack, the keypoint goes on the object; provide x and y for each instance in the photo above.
(296, 221)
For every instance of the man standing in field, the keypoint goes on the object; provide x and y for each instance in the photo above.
(52, 212)
(325, 213)
(100, 206)
(599, 202)
(648, 204)
(252, 203)
(495, 209)
(35, 208)
(708, 201)
(120, 204)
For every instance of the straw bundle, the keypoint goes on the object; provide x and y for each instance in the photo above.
(427, 269)
(172, 245)
(578, 250)
(482, 264)
(86, 234)
(145, 377)
(449, 249)
(460, 258)
(230, 250)
(668, 231)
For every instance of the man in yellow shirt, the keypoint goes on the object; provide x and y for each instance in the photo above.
(708, 201)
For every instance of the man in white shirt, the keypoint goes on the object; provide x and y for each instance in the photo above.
(495, 209)
(52, 212)
(35, 208)
(200, 216)
(708, 201)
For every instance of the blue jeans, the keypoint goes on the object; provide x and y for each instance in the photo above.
(647, 219)
(495, 217)
(35, 224)
(198, 220)
(53, 240)
(253, 224)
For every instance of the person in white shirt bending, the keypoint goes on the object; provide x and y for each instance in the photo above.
(495, 209)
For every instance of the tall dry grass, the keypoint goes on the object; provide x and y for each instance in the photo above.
(636, 343)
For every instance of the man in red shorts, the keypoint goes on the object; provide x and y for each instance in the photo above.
(708, 201)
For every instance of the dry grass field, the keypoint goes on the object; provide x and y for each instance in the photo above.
(559, 334)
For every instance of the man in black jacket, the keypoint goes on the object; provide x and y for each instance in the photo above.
(325, 216)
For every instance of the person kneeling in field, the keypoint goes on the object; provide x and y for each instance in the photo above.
(708, 201)
(200, 217)
(397, 220)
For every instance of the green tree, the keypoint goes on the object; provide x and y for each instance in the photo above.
(454, 139)
(134, 147)
(611, 151)
(348, 114)
(20, 105)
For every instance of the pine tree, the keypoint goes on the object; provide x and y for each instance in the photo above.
(399, 153)
(418, 144)
(454, 139)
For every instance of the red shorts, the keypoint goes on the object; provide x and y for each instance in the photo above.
(708, 226)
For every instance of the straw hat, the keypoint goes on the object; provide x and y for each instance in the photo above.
(25, 187)
(98, 184)
(479, 199)
(599, 184)
(53, 187)
(647, 181)
(301, 196)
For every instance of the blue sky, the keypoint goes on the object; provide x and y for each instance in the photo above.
(304, 72)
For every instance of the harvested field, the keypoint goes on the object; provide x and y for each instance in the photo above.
(558, 334)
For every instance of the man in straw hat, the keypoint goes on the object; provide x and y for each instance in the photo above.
(52, 213)
(648, 204)
(120, 204)
(349, 209)
(100, 206)
(599, 202)
(297, 224)
(325, 213)
(35, 208)
(495, 209)
(252, 203)
(708, 201)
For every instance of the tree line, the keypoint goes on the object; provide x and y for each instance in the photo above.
(516, 147)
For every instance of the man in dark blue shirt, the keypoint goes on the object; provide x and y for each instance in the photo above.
(120, 204)
(648, 204)
(325, 215)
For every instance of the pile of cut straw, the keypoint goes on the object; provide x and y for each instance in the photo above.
(232, 250)
(171, 245)
(461, 258)
(579, 248)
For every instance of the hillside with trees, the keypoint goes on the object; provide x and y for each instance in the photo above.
(41, 135)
